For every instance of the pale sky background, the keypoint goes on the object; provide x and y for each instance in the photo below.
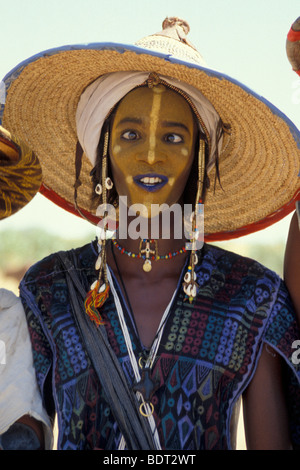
(243, 38)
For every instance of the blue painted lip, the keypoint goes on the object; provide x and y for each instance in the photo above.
(149, 185)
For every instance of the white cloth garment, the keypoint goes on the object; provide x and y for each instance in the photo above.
(19, 393)
(102, 95)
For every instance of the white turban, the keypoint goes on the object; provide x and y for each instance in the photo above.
(102, 95)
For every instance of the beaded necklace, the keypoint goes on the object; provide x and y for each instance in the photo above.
(148, 252)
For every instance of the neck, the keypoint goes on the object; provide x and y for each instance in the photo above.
(164, 245)
(166, 228)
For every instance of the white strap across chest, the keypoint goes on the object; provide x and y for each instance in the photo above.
(133, 360)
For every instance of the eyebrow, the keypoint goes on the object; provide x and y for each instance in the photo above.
(175, 124)
(131, 120)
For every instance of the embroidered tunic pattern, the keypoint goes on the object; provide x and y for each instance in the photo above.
(207, 356)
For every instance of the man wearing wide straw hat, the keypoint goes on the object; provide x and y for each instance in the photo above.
(148, 341)
(292, 254)
(20, 180)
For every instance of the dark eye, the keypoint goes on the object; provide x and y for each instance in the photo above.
(174, 138)
(130, 135)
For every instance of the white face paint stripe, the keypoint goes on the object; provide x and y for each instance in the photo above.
(156, 105)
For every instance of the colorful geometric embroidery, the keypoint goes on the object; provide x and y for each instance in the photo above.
(208, 352)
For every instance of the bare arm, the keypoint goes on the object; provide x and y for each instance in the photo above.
(292, 264)
(265, 411)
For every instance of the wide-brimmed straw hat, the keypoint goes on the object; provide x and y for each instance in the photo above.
(20, 174)
(259, 162)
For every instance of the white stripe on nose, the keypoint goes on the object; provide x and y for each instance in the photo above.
(154, 119)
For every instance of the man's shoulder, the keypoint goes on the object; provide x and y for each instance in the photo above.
(51, 266)
(232, 268)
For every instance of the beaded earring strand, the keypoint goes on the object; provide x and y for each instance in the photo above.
(190, 285)
(99, 290)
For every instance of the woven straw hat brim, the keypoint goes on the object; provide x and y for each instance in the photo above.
(20, 179)
(259, 163)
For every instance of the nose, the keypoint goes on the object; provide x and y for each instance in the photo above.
(151, 153)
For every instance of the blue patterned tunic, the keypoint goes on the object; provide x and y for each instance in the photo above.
(207, 356)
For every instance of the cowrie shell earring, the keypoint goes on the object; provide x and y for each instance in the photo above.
(108, 184)
(98, 189)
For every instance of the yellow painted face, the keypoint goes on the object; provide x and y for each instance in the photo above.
(152, 146)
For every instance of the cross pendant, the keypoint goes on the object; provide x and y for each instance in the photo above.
(147, 251)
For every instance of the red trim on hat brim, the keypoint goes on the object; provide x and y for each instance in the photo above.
(271, 219)
(213, 237)
(293, 36)
(63, 204)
